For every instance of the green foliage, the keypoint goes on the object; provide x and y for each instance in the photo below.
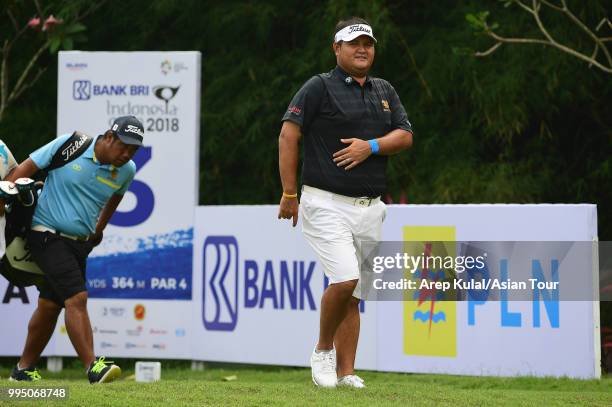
(527, 124)
(478, 21)
(65, 35)
(26, 31)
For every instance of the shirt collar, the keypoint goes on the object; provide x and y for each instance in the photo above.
(343, 75)
(90, 153)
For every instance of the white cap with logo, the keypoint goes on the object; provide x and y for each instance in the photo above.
(353, 31)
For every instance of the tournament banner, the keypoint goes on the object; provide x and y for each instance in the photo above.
(139, 278)
(16, 307)
(256, 300)
(556, 333)
(257, 290)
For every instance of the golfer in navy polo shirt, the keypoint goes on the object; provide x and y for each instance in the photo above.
(350, 123)
(75, 206)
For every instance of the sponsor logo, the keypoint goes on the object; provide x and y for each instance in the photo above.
(85, 90)
(430, 326)
(159, 346)
(19, 256)
(104, 331)
(219, 296)
(180, 332)
(76, 167)
(76, 66)
(166, 93)
(167, 66)
(134, 332)
(81, 90)
(385, 105)
(295, 110)
(139, 312)
(158, 332)
(113, 312)
(106, 345)
(132, 345)
(134, 129)
(359, 28)
(73, 147)
(278, 285)
(63, 330)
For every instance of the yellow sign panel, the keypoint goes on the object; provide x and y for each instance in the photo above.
(430, 325)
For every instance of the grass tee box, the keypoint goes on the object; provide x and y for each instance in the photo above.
(287, 386)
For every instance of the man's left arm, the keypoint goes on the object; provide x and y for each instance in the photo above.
(398, 139)
(359, 150)
(105, 215)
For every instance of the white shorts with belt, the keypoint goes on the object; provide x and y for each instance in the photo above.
(335, 226)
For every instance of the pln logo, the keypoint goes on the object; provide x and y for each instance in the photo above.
(430, 325)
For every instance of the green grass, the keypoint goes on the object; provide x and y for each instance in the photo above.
(263, 386)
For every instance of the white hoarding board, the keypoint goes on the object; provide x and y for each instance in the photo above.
(493, 337)
(249, 307)
(16, 307)
(139, 278)
(257, 289)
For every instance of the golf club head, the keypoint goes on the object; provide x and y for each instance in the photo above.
(8, 190)
(26, 188)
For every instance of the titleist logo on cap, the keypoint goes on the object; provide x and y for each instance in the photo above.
(358, 27)
(353, 31)
(134, 129)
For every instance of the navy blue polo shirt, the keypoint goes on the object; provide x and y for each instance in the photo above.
(333, 106)
(74, 194)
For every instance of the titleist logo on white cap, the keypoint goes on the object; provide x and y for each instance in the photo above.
(353, 31)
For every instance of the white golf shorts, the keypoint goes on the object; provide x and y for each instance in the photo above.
(335, 226)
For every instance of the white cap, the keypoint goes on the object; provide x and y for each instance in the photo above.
(353, 31)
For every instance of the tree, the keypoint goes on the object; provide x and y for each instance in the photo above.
(600, 56)
(37, 34)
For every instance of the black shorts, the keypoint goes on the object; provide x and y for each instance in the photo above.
(63, 262)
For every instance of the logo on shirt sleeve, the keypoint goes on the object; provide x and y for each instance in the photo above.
(385, 105)
(295, 110)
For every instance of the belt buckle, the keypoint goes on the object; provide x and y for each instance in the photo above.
(365, 202)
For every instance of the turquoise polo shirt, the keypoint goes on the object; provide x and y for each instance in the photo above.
(74, 194)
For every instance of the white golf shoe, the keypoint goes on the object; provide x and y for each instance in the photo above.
(323, 367)
(351, 380)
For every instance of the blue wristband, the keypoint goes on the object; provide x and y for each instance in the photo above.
(374, 146)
